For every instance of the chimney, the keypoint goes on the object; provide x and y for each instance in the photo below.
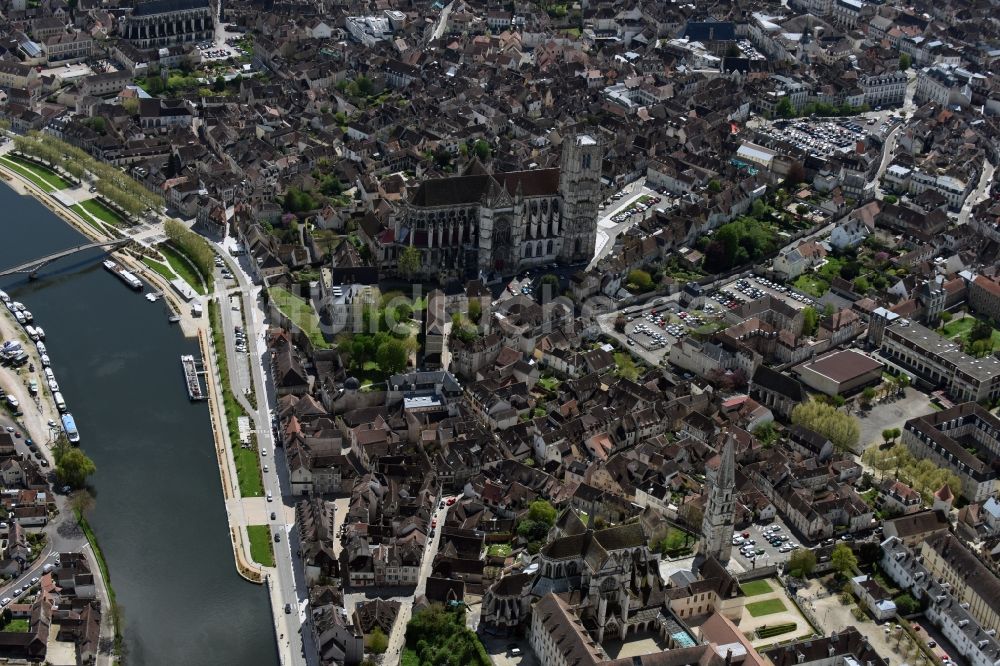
(729, 657)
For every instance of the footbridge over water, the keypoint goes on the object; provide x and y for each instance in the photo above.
(32, 267)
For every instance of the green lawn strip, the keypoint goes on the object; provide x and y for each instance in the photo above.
(766, 607)
(30, 175)
(103, 566)
(46, 174)
(102, 212)
(183, 267)
(301, 313)
(754, 588)
(89, 219)
(247, 469)
(499, 550)
(261, 549)
(162, 269)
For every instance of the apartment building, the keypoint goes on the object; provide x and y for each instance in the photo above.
(933, 359)
(971, 582)
(965, 439)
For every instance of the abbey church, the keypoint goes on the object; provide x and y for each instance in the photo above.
(483, 223)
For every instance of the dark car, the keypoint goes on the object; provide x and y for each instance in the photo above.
(277, 538)
(288, 609)
(272, 515)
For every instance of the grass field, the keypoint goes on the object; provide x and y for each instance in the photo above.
(961, 328)
(101, 212)
(754, 588)
(162, 269)
(248, 470)
(16, 625)
(183, 268)
(767, 607)
(261, 549)
(47, 180)
(300, 312)
(811, 284)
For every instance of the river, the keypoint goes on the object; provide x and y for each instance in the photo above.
(159, 514)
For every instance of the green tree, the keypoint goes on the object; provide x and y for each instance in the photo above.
(627, 368)
(906, 605)
(378, 642)
(888, 434)
(392, 356)
(714, 186)
(981, 330)
(640, 280)
(945, 317)
(409, 262)
(481, 149)
(841, 429)
(868, 395)
(802, 562)
(843, 559)
(475, 311)
(861, 285)
(219, 84)
(810, 320)
(72, 466)
(549, 286)
(905, 61)
(542, 512)
(766, 433)
(784, 109)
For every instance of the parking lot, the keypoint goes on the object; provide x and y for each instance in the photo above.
(744, 290)
(764, 545)
(625, 208)
(821, 138)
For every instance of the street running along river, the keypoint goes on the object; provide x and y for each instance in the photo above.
(159, 514)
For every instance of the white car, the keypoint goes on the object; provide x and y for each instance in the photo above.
(263, 452)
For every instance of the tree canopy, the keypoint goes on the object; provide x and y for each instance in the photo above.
(843, 559)
(920, 474)
(72, 465)
(802, 562)
(841, 429)
(438, 636)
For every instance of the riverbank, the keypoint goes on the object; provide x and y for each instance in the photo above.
(37, 413)
(191, 328)
(155, 428)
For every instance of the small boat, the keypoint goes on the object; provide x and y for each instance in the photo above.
(41, 347)
(32, 332)
(18, 306)
(41, 332)
(28, 317)
(53, 385)
(60, 403)
(44, 358)
(49, 375)
(152, 298)
(20, 317)
(173, 319)
(69, 425)
(124, 275)
(4, 297)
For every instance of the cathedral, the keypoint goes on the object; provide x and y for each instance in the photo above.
(481, 223)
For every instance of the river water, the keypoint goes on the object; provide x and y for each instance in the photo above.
(159, 514)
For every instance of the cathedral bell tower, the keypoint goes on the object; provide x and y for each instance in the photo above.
(717, 523)
(580, 187)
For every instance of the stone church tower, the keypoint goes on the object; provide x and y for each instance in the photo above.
(580, 187)
(717, 523)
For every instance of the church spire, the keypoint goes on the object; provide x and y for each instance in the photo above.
(717, 523)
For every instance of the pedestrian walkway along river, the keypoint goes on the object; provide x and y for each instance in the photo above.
(159, 514)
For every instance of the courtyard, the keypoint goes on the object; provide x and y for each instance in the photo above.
(768, 606)
(891, 413)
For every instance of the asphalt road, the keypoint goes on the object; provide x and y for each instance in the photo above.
(288, 585)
